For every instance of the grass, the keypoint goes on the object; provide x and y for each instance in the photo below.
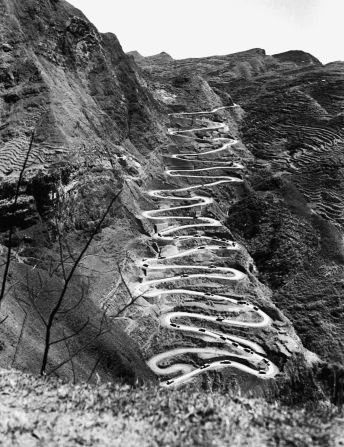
(40, 412)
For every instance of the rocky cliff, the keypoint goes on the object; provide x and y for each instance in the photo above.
(100, 120)
(94, 122)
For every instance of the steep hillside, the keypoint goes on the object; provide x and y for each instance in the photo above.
(289, 214)
(93, 220)
(37, 412)
(94, 123)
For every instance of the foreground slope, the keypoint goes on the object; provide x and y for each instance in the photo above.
(48, 412)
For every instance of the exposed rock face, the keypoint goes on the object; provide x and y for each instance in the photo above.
(100, 120)
(75, 86)
(93, 121)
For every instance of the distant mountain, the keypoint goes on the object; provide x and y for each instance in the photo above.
(158, 58)
(297, 57)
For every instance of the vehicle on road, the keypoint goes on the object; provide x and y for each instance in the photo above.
(206, 365)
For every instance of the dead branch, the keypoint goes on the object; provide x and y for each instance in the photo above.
(94, 368)
(132, 300)
(65, 311)
(4, 319)
(81, 349)
(20, 335)
(57, 306)
(11, 230)
(68, 337)
(71, 362)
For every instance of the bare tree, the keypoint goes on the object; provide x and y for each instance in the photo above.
(132, 299)
(12, 226)
(104, 328)
(67, 278)
(65, 268)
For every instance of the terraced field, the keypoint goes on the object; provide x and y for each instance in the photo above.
(13, 153)
(300, 140)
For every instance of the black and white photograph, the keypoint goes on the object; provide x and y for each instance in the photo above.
(171, 223)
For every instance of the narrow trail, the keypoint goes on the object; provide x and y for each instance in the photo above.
(237, 352)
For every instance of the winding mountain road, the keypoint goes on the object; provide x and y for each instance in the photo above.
(225, 147)
(200, 129)
(238, 352)
(217, 109)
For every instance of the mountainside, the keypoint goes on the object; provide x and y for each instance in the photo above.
(93, 121)
(113, 134)
(290, 215)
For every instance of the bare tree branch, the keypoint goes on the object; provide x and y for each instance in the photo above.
(68, 337)
(11, 231)
(82, 348)
(61, 254)
(32, 299)
(65, 311)
(4, 319)
(20, 336)
(71, 362)
(57, 306)
(94, 368)
(132, 300)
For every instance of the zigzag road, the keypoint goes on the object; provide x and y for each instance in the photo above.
(238, 352)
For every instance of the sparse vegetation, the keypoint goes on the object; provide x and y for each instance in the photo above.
(67, 278)
(38, 412)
